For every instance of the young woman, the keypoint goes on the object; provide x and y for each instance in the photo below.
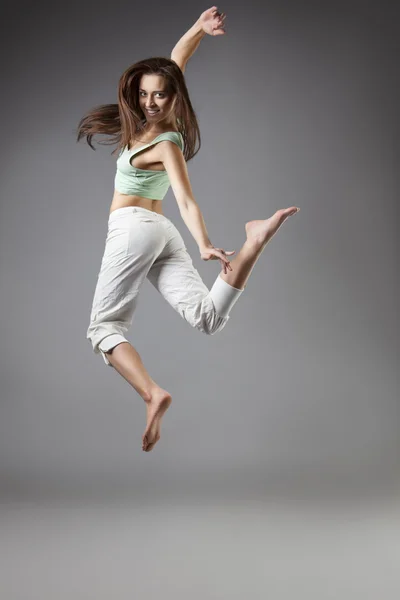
(156, 130)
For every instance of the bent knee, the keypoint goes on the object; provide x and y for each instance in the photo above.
(213, 324)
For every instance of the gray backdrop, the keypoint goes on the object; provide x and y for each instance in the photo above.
(298, 396)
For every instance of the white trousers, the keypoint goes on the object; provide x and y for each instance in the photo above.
(141, 243)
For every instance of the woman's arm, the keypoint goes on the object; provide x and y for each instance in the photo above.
(211, 22)
(175, 165)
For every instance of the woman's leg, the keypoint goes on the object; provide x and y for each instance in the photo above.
(175, 277)
(178, 281)
(259, 233)
(134, 240)
(127, 362)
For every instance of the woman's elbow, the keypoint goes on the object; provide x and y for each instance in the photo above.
(181, 63)
(185, 202)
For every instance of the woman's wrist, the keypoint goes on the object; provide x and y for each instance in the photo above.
(198, 29)
(205, 246)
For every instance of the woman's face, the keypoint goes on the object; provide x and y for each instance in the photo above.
(156, 103)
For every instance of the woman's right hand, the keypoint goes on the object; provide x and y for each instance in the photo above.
(212, 21)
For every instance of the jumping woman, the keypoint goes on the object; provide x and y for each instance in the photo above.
(156, 132)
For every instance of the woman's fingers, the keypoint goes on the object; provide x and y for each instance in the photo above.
(220, 17)
(226, 265)
(220, 25)
(221, 255)
(220, 252)
(226, 251)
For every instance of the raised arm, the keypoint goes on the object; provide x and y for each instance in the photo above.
(210, 22)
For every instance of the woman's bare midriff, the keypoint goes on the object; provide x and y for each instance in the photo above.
(121, 200)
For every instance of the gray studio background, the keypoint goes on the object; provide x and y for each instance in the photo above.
(293, 408)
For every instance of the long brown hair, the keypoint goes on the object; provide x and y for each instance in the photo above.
(126, 119)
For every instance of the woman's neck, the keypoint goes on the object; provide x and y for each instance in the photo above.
(160, 127)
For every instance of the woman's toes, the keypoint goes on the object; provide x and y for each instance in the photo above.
(147, 445)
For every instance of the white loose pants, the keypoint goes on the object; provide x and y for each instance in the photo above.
(142, 243)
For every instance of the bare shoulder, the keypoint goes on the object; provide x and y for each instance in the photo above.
(170, 151)
(174, 163)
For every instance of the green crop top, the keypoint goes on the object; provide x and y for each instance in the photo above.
(144, 182)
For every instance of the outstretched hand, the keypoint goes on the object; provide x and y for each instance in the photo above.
(212, 253)
(212, 21)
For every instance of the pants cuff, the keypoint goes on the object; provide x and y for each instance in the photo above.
(108, 343)
(224, 296)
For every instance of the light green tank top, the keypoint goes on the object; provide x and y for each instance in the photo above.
(144, 182)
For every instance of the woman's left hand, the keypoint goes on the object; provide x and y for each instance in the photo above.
(211, 253)
(212, 21)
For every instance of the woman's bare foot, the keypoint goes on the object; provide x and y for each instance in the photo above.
(156, 407)
(259, 233)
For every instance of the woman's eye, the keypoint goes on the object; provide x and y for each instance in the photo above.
(160, 94)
